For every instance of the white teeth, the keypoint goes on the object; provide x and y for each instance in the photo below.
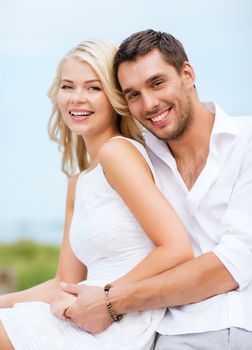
(79, 114)
(160, 117)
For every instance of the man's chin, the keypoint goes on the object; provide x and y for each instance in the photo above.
(160, 134)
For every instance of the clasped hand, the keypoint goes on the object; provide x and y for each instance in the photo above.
(61, 303)
(84, 305)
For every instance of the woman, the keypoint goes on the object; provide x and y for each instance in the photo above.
(118, 226)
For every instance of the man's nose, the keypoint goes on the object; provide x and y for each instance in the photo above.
(150, 102)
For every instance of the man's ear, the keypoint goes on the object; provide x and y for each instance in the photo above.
(188, 75)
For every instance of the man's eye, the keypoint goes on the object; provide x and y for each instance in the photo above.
(132, 96)
(157, 83)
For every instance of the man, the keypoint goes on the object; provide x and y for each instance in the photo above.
(204, 162)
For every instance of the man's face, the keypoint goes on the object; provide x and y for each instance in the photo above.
(157, 95)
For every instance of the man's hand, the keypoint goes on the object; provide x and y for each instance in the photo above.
(89, 310)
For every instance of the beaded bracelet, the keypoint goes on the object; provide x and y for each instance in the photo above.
(111, 311)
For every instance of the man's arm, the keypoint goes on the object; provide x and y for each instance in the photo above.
(192, 281)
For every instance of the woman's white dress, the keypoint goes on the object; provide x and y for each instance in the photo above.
(106, 237)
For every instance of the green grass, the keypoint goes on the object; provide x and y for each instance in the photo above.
(32, 263)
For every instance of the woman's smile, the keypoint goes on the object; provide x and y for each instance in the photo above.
(78, 114)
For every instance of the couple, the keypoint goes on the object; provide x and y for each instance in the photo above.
(126, 253)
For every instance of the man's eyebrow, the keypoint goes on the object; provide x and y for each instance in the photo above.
(126, 91)
(147, 82)
(154, 77)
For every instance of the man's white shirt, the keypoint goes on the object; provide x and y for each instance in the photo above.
(217, 213)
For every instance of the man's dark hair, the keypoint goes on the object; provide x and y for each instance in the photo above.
(140, 43)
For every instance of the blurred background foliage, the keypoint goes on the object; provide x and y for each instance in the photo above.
(30, 263)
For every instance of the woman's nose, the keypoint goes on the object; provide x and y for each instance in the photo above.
(78, 96)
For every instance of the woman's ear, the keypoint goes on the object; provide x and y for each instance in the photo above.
(188, 75)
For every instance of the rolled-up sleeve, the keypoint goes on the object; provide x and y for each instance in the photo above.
(235, 246)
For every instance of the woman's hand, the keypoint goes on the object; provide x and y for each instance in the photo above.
(61, 303)
(6, 300)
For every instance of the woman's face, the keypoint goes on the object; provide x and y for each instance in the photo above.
(82, 101)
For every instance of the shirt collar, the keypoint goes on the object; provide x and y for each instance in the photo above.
(223, 125)
(160, 148)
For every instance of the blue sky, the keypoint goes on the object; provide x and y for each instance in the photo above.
(34, 35)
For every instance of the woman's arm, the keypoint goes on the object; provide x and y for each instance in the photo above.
(43, 292)
(129, 174)
(69, 269)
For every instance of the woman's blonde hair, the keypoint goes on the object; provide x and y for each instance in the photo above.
(100, 55)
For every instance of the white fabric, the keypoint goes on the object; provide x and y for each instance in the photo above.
(217, 213)
(108, 239)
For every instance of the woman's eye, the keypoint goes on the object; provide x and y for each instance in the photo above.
(66, 87)
(94, 88)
